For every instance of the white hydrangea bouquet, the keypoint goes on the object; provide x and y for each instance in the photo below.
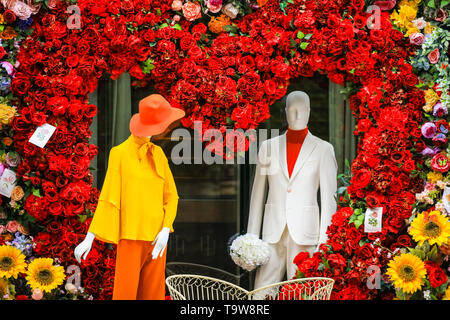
(249, 252)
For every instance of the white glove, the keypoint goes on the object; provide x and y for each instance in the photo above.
(161, 242)
(84, 247)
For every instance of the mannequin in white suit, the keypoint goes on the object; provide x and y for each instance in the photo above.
(290, 217)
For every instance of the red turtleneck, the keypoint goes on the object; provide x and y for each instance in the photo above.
(294, 142)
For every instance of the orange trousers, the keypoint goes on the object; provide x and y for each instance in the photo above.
(137, 276)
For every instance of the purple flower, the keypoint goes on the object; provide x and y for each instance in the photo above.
(2, 168)
(429, 130)
(439, 110)
(430, 152)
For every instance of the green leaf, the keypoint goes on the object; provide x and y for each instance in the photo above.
(231, 28)
(444, 3)
(431, 4)
(177, 26)
(36, 192)
(290, 1)
(352, 71)
(308, 36)
(147, 66)
(300, 35)
(165, 24)
(293, 43)
(432, 255)
(158, 12)
(82, 217)
(303, 45)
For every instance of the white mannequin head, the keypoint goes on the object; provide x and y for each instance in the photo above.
(297, 110)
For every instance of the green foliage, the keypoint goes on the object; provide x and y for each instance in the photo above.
(147, 66)
(284, 4)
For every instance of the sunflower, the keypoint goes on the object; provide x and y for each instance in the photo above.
(12, 262)
(432, 227)
(407, 272)
(42, 274)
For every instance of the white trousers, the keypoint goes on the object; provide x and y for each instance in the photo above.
(282, 255)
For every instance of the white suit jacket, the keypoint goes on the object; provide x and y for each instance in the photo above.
(293, 201)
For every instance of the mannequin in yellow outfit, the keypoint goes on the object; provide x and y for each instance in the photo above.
(137, 205)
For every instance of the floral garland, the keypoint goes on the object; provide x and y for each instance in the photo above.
(224, 71)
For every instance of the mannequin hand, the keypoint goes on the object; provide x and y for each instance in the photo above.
(161, 242)
(84, 247)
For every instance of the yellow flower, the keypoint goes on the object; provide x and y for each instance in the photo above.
(43, 275)
(447, 294)
(407, 13)
(407, 272)
(12, 262)
(6, 113)
(429, 28)
(434, 177)
(431, 97)
(432, 227)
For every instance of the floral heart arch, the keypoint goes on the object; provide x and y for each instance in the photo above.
(226, 80)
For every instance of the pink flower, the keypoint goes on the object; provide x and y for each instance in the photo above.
(440, 163)
(429, 130)
(2, 228)
(441, 15)
(12, 226)
(385, 5)
(177, 5)
(37, 294)
(214, 5)
(192, 11)
(433, 56)
(21, 10)
(417, 38)
(230, 10)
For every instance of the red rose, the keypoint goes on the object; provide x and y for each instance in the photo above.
(9, 16)
(409, 165)
(341, 216)
(20, 85)
(270, 87)
(302, 256)
(436, 275)
(361, 179)
(365, 252)
(187, 42)
(404, 240)
(72, 61)
(364, 125)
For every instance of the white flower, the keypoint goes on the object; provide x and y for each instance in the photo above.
(249, 252)
(419, 23)
(426, 295)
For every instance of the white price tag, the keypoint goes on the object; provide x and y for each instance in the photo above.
(42, 134)
(7, 182)
(372, 219)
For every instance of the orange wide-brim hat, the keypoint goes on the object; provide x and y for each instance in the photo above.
(155, 115)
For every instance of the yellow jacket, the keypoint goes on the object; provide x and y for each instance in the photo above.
(138, 197)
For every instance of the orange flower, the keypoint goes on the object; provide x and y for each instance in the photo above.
(262, 2)
(8, 33)
(17, 193)
(7, 141)
(216, 24)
